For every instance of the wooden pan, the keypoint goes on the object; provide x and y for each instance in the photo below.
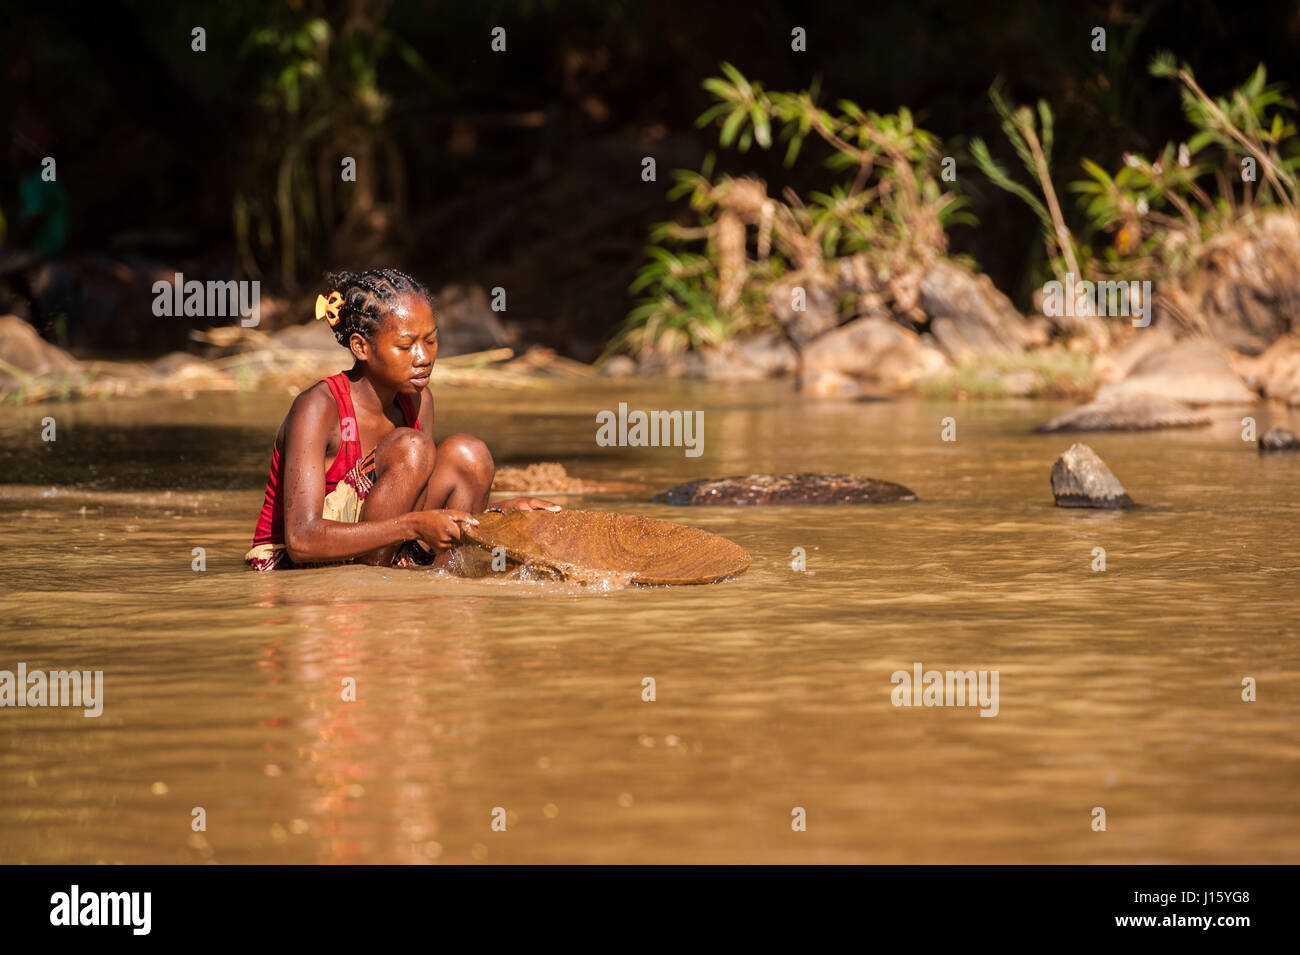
(591, 545)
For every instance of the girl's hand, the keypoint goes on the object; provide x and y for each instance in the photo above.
(441, 530)
(527, 504)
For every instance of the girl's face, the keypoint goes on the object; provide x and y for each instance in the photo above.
(402, 354)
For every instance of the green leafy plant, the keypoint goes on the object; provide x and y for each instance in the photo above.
(1159, 212)
(1162, 211)
(1031, 135)
(709, 281)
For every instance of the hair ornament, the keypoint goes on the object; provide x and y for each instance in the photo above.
(328, 308)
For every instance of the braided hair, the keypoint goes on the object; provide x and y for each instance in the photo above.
(367, 297)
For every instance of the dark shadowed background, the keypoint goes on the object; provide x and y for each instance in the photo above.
(522, 169)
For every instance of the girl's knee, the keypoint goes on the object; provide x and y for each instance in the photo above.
(465, 452)
(406, 448)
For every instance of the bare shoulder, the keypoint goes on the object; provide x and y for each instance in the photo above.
(311, 414)
(314, 399)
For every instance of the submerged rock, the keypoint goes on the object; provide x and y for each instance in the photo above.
(1081, 479)
(1278, 439)
(787, 489)
(1134, 413)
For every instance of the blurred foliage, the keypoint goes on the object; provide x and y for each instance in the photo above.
(321, 101)
(1159, 211)
(1240, 160)
(710, 281)
(239, 147)
(893, 208)
(1031, 135)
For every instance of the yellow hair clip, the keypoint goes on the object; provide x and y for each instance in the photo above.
(328, 308)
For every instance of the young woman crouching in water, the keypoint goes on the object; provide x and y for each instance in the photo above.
(355, 475)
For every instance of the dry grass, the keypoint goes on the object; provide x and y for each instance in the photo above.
(1049, 373)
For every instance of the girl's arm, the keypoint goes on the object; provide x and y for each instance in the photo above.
(308, 537)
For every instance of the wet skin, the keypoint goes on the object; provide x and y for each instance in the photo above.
(422, 491)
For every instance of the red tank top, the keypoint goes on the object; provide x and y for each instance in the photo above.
(270, 523)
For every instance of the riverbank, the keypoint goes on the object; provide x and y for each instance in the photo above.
(1222, 333)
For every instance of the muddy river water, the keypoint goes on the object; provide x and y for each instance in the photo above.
(490, 705)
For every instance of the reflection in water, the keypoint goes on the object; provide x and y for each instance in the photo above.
(225, 690)
(330, 750)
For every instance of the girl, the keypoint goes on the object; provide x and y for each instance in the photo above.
(355, 475)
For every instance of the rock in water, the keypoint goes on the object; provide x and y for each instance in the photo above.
(1136, 413)
(1081, 479)
(787, 489)
(1278, 439)
(594, 546)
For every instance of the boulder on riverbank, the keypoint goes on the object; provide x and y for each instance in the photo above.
(189, 372)
(32, 369)
(750, 358)
(466, 322)
(1081, 479)
(1134, 413)
(1278, 439)
(970, 316)
(856, 328)
(1246, 285)
(1195, 371)
(25, 353)
(819, 311)
(828, 384)
(804, 488)
(1276, 373)
(873, 349)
